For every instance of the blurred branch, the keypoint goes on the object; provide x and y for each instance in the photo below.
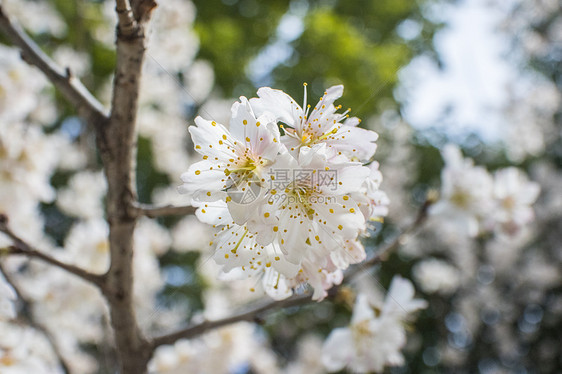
(142, 9)
(25, 313)
(167, 210)
(255, 313)
(20, 247)
(252, 315)
(383, 253)
(71, 88)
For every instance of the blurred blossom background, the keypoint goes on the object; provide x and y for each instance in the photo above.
(482, 74)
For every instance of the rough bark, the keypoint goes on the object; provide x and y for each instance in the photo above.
(117, 146)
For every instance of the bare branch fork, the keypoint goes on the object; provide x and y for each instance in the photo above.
(255, 313)
(116, 141)
(72, 89)
(24, 312)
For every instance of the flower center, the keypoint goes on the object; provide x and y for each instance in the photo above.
(461, 199)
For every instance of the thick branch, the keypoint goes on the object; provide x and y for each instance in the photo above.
(117, 147)
(72, 89)
(20, 247)
(167, 210)
(24, 312)
(255, 313)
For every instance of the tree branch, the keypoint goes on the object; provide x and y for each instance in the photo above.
(255, 313)
(167, 210)
(20, 247)
(72, 89)
(384, 252)
(25, 313)
(127, 22)
(250, 315)
(117, 147)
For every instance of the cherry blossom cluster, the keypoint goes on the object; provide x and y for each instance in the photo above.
(289, 188)
(376, 333)
(474, 201)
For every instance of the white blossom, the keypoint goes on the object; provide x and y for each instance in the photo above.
(235, 158)
(24, 350)
(376, 333)
(235, 345)
(190, 234)
(514, 195)
(288, 217)
(87, 245)
(435, 275)
(466, 192)
(83, 196)
(321, 125)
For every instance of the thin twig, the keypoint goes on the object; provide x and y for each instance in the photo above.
(167, 210)
(251, 315)
(255, 313)
(20, 247)
(71, 88)
(25, 307)
(383, 253)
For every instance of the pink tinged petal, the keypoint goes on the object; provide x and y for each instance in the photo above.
(323, 280)
(352, 253)
(260, 135)
(338, 349)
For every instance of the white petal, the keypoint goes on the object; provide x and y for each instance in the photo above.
(337, 351)
(278, 103)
